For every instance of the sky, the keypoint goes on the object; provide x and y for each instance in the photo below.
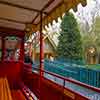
(87, 14)
(84, 15)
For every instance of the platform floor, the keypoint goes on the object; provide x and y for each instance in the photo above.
(9, 94)
(17, 95)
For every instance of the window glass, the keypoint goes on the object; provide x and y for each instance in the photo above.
(12, 48)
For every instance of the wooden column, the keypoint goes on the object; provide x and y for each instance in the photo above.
(22, 49)
(41, 47)
(41, 58)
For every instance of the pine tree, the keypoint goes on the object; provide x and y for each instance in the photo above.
(70, 44)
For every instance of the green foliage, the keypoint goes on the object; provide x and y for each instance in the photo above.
(70, 45)
(92, 37)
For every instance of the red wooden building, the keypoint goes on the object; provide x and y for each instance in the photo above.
(17, 80)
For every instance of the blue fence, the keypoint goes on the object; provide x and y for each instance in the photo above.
(75, 71)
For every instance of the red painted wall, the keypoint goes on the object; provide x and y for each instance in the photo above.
(11, 70)
(49, 89)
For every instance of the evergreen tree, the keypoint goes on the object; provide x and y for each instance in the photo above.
(70, 45)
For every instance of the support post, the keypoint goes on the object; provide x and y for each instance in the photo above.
(41, 48)
(41, 57)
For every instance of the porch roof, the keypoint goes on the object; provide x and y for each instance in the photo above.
(19, 14)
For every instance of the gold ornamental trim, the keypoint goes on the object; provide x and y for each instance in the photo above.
(63, 7)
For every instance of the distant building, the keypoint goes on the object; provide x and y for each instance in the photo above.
(92, 50)
(91, 55)
(49, 50)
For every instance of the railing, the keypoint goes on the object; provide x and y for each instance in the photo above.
(79, 72)
(76, 87)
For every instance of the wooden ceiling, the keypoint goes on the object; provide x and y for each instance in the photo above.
(16, 14)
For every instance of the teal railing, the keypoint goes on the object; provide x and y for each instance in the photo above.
(75, 71)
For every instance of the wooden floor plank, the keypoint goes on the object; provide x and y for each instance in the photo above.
(17, 95)
(5, 93)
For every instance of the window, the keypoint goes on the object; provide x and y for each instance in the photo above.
(12, 48)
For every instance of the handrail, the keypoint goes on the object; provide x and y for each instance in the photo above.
(64, 80)
(68, 84)
(71, 80)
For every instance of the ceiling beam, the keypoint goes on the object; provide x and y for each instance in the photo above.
(12, 20)
(35, 18)
(19, 6)
(59, 4)
(46, 6)
(10, 30)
